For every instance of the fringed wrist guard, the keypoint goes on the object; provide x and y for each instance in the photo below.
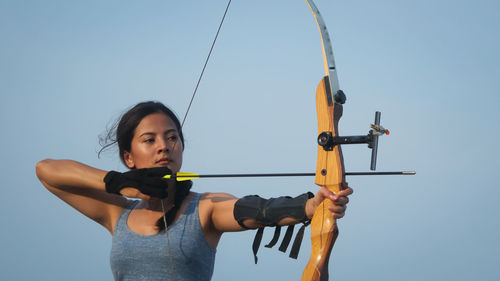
(269, 212)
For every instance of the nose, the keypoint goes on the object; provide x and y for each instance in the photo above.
(163, 145)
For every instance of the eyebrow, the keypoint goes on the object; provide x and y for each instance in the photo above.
(152, 134)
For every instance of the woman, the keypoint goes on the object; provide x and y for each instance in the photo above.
(151, 143)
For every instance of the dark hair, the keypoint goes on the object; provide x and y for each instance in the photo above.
(122, 132)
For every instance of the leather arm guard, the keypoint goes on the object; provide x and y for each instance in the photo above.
(269, 212)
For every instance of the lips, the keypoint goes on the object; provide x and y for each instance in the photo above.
(163, 161)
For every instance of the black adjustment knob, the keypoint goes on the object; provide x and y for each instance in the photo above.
(340, 97)
(325, 140)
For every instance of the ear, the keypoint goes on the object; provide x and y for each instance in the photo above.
(128, 159)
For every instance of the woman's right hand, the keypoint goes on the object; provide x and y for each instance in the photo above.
(139, 183)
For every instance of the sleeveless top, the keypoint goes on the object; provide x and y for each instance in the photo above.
(136, 257)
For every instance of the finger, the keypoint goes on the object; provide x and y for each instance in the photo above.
(337, 209)
(337, 213)
(338, 216)
(323, 193)
(341, 200)
(345, 192)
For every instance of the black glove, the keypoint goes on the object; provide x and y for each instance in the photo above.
(149, 181)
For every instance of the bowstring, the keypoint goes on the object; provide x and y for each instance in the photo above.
(205, 65)
(168, 241)
(184, 120)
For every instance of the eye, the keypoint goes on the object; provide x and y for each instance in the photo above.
(149, 140)
(172, 138)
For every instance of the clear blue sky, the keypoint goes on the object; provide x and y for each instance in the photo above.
(69, 68)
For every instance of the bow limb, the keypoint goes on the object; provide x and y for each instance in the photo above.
(330, 171)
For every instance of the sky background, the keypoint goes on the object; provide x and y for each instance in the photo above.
(68, 69)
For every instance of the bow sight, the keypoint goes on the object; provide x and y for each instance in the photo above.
(328, 141)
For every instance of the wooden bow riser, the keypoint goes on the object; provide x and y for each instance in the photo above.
(330, 174)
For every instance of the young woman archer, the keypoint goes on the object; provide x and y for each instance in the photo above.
(151, 144)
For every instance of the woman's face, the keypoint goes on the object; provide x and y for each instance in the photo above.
(156, 143)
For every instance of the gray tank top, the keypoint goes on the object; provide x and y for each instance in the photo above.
(136, 257)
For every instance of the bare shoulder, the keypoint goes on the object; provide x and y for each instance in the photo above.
(212, 203)
(216, 197)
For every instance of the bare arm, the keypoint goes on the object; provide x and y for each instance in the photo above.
(82, 187)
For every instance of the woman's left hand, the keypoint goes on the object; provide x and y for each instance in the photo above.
(339, 201)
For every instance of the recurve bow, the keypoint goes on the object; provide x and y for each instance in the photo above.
(330, 171)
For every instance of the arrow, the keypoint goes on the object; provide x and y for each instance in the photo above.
(181, 176)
